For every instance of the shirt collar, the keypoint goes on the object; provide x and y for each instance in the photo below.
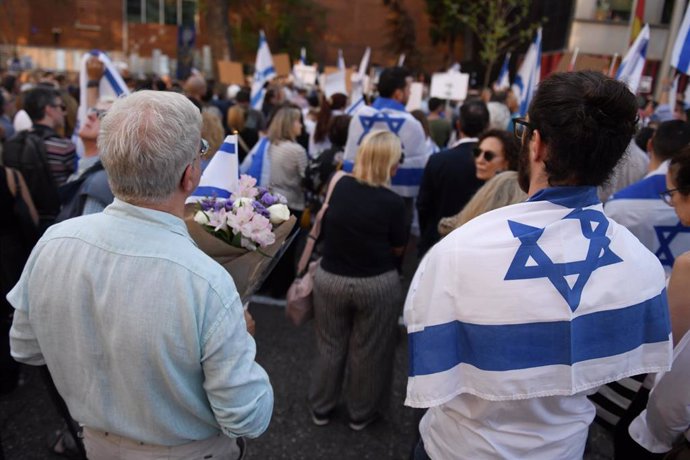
(465, 140)
(148, 216)
(386, 103)
(568, 196)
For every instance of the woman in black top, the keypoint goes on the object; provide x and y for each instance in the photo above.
(357, 292)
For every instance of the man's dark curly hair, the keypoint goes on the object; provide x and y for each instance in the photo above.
(586, 121)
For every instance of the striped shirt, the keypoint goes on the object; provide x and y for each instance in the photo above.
(61, 154)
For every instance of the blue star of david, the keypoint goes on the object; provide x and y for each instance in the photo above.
(666, 234)
(593, 224)
(394, 124)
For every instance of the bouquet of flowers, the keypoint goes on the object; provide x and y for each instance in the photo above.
(244, 233)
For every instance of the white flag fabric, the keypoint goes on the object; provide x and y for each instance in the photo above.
(535, 299)
(680, 57)
(503, 82)
(341, 60)
(358, 82)
(673, 94)
(221, 176)
(263, 72)
(528, 76)
(630, 70)
(111, 84)
(390, 115)
(641, 210)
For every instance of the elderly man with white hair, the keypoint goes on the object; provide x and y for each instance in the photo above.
(144, 334)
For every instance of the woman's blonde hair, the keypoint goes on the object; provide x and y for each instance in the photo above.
(236, 118)
(212, 130)
(501, 190)
(282, 124)
(378, 153)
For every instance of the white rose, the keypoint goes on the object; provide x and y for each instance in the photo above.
(279, 213)
(201, 218)
(242, 202)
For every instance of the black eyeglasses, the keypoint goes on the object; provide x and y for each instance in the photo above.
(488, 154)
(667, 195)
(520, 126)
(203, 147)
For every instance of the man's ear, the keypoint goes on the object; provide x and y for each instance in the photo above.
(537, 148)
(187, 181)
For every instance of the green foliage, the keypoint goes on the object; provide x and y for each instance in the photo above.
(444, 28)
(401, 35)
(499, 25)
(289, 25)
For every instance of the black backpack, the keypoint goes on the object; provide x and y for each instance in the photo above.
(71, 196)
(26, 152)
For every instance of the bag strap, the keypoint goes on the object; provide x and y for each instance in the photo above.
(242, 143)
(316, 229)
(17, 184)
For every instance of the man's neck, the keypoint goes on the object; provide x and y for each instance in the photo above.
(173, 205)
(654, 163)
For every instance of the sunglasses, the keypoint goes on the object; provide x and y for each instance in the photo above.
(667, 195)
(203, 147)
(99, 113)
(521, 126)
(488, 154)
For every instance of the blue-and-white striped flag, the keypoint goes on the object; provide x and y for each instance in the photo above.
(357, 95)
(111, 85)
(503, 81)
(680, 58)
(341, 60)
(303, 55)
(263, 72)
(528, 76)
(221, 176)
(257, 163)
(630, 70)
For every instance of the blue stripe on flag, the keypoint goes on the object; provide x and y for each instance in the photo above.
(267, 71)
(227, 148)
(348, 166)
(211, 191)
(408, 176)
(113, 83)
(684, 58)
(257, 97)
(521, 346)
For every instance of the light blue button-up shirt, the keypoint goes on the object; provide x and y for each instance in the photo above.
(143, 333)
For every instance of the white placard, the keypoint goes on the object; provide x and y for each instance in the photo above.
(645, 84)
(156, 61)
(414, 102)
(164, 65)
(450, 85)
(334, 83)
(305, 74)
(60, 60)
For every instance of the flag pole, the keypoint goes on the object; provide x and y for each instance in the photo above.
(573, 59)
(674, 27)
(613, 64)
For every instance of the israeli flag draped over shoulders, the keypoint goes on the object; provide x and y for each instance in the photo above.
(390, 115)
(110, 85)
(257, 163)
(680, 57)
(221, 176)
(263, 72)
(534, 300)
(630, 70)
(528, 75)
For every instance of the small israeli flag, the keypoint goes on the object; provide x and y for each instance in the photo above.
(341, 60)
(528, 76)
(221, 176)
(303, 55)
(630, 70)
(680, 57)
(257, 163)
(503, 82)
(358, 81)
(111, 84)
(263, 72)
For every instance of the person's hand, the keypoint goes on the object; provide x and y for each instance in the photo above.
(94, 68)
(251, 324)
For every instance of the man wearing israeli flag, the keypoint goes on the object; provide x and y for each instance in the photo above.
(515, 317)
(388, 112)
(640, 208)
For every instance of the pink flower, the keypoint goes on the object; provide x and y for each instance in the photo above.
(218, 219)
(246, 188)
(240, 217)
(259, 230)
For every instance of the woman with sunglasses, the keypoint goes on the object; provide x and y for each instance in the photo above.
(663, 426)
(496, 151)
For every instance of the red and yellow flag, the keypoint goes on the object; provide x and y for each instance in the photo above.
(638, 20)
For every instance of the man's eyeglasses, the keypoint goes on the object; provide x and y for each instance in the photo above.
(521, 126)
(98, 113)
(667, 195)
(203, 147)
(488, 154)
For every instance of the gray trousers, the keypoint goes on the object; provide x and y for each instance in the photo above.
(355, 320)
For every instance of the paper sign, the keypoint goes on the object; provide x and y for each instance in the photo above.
(231, 73)
(306, 74)
(348, 76)
(645, 84)
(281, 62)
(334, 83)
(414, 102)
(450, 85)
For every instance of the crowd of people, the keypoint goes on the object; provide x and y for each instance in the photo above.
(551, 250)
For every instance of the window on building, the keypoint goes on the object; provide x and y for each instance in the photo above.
(614, 10)
(173, 12)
